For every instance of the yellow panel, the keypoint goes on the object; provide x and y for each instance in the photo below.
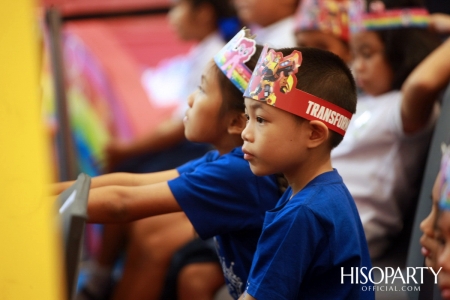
(30, 258)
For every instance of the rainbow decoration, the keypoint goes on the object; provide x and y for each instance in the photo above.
(233, 56)
(396, 19)
(386, 19)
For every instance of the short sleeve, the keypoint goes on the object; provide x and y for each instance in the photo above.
(223, 196)
(190, 166)
(422, 134)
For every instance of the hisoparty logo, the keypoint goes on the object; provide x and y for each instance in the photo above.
(387, 277)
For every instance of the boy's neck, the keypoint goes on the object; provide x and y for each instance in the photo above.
(228, 143)
(316, 164)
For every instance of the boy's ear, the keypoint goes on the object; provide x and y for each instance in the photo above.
(319, 133)
(237, 124)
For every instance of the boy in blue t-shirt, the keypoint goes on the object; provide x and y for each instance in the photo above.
(313, 239)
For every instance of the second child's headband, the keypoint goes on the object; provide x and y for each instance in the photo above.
(274, 82)
(233, 56)
(379, 18)
(330, 16)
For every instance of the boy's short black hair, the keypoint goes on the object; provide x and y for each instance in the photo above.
(405, 48)
(232, 97)
(325, 75)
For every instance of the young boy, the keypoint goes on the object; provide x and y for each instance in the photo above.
(298, 107)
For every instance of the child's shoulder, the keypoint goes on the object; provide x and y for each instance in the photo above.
(232, 165)
(325, 195)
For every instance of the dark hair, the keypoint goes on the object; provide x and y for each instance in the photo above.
(325, 75)
(405, 48)
(226, 16)
(222, 8)
(230, 93)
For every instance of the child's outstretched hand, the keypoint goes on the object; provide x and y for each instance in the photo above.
(440, 23)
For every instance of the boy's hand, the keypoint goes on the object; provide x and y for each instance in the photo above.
(57, 188)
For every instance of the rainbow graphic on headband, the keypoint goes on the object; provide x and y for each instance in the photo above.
(233, 56)
(330, 16)
(444, 184)
(274, 82)
(380, 18)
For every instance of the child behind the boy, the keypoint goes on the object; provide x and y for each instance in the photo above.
(169, 84)
(271, 21)
(314, 236)
(390, 121)
(324, 24)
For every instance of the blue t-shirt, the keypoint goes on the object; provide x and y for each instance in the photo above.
(305, 242)
(223, 199)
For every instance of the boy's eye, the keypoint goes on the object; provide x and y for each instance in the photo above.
(259, 120)
(366, 54)
(200, 88)
(247, 117)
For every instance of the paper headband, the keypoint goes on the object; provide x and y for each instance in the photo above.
(330, 16)
(233, 56)
(274, 82)
(444, 184)
(379, 18)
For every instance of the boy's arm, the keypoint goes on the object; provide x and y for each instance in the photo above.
(422, 88)
(120, 179)
(119, 204)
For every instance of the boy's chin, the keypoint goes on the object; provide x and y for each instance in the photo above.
(259, 171)
(191, 137)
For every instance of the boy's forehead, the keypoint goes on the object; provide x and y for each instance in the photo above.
(253, 105)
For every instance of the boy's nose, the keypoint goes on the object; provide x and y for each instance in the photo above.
(190, 99)
(246, 136)
(426, 226)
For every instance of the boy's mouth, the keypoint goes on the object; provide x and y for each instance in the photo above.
(425, 251)
(247, 155)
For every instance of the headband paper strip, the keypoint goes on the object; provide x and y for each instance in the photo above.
(273, 81)
(444, 184)
(386, 19)
(233, 56)
(330, 16)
